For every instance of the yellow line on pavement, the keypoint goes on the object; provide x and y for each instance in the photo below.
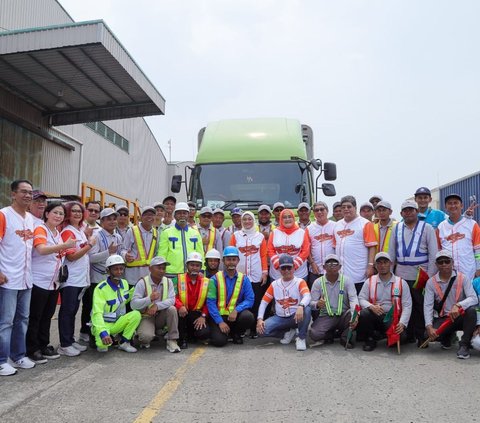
(152, 409)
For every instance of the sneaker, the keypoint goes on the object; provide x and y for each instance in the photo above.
(144, 346)
(24, 363)
(38, 358)
(172, 346)
(84, 337)
(125, 346)
(237, 339)
(102, 349)
(463, 352)
(7, 370)
(370, 345)
(182, 343)
(300, 344)
(288, 337)
(79, 347)
(70, 351)
(50, 353)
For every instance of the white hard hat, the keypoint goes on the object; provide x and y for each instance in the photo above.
(181, 207)
(213, 254)
(113, 260)
(476, 342)
(194, 256)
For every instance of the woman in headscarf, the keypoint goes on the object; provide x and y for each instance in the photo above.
(253, 259)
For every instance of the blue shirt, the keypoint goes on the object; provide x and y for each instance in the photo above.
(432, 216)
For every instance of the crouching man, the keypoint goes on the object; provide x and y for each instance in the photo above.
(109, 316)
(334, 295)
(292, 306)
(154, 296)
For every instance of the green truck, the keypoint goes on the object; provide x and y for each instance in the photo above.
(248, 162)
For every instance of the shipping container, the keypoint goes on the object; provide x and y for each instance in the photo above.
(466, 187)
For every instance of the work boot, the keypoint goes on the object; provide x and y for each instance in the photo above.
(370, 345)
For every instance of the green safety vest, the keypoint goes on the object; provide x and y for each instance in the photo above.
(323, 282)
(223, 308)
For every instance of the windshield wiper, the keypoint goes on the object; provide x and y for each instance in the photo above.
(248, 202)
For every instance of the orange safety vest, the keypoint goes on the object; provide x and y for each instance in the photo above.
(143, 260)
(183, 292)
(396, 290)
(223, 308)
(440, 293)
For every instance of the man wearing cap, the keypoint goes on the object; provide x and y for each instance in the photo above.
(123, 221)
(210, 235)
(107, 242)
(191, 215)
(423, 198)
(367, 211)
(236, 215)
(169, 202)
(303, 212)
(212, 262)
(277, 209)
(190, 302)
(337, 213)
(37, 207)
(154, 297)
(140, 246)
(461, 236)
(265, 225)
(335, 297)
(448, 294)
(160, 214)
(379, 293)
(375, 199)
(230, 296)
(413, 246)
(355, 243)
(292, 306)
(217, 220)
(178, 241)
(385, 225)
(321, 237)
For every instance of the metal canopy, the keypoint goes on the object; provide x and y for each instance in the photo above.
(76, 73)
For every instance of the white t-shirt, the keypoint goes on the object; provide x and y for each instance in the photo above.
(78, 270)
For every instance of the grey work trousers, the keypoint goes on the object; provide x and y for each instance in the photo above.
(153, 325)
(324, 327)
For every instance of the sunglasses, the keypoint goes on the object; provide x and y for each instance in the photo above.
(332, 264)
(123, 214)
(319, 210)
(286, 268)
(444, 261)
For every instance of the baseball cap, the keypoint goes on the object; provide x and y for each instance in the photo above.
(148, 208)
(218, 210)
(170, 197)
(158, 204)
(375, 196)
(158, 260)
(206, 210)
(453, 195)
(366, 204)
(409, 204)
(443, 253)
(107, 212)
(122, 208)
(383, 203)
(423, 190)
(236, 210)
(329, 257)
(264, 207)
(278, 204)
(38, 194)
(336, 204)
(192, 205)
(383, 255)
(285, 261)
(181, 207)
(303, 205)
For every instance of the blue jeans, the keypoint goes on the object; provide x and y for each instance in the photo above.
(14, 311)
(276, 326)
(66, 314)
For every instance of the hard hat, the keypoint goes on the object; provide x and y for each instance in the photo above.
(231, 252)
(181, 207)
(113, 260)
(213, 254)
(194, 256)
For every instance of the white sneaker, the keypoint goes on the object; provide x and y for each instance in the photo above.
(24, 363)
(7, 370)
(102, 349)
(84, 337)
(70, 351)
(172, 346)
(144, 346)
(125, 346)
(79, 347)
(288, 337)
(300, 344)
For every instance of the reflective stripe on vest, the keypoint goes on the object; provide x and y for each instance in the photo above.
(223, 308)
(143, 260)
(386, 241)
(440, 293)
(404, 252)
(396, 289)
(148, 289)
(183, 291)
(212, 234)
(323, 282)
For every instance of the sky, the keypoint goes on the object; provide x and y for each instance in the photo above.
(391, 88)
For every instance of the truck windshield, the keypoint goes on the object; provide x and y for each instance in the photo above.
(248, 185)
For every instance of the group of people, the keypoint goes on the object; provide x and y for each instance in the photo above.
(175, 278)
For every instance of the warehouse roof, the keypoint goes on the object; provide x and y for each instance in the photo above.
(75, 73)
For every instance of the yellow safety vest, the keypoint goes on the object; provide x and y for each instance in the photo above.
(223, 308)
(384, 247)
(183, 291)
(143, 259)
(148, 289)
(212, 233)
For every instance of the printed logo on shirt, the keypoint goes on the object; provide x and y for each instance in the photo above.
(323, 237)
(249, 250)
(25, 234)
(345, 232)
(455, 237)
(287, 302)
(287, 249)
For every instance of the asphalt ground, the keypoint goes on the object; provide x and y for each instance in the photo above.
(260, 381)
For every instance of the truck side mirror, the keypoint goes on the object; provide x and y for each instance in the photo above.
(330, 171)
(176, 183)
(329, 190)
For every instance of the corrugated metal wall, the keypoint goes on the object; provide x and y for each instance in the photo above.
(466, 187)
(20, 14)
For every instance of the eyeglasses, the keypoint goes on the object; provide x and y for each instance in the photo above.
(444, 261)
(123, 214)
(93, 211)
(76, 211)
(322, 209)
(278, 210)
(332, 264)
